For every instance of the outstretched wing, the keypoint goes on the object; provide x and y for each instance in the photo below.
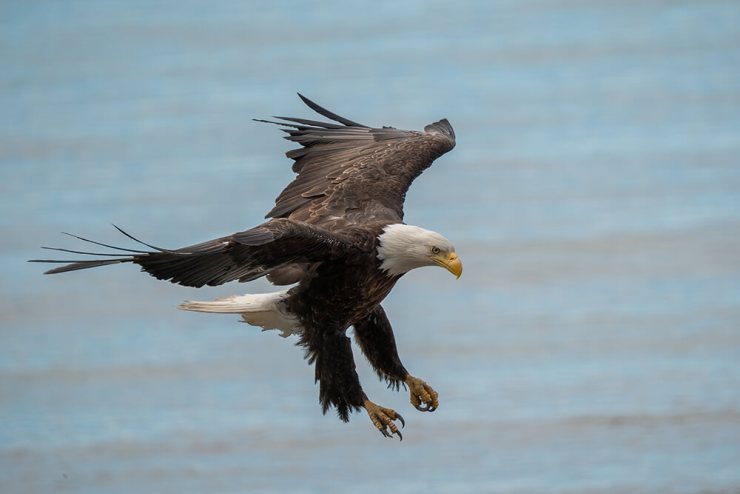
(349, 173)
(243, 256)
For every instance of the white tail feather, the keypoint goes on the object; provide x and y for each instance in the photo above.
(266, 310)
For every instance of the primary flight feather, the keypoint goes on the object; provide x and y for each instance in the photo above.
(337, 234)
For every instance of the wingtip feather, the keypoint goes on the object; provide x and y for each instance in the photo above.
(441, 127)
(328, 114)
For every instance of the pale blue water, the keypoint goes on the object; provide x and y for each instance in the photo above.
(592, 344)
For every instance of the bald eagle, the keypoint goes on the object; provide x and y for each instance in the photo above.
(336, 234)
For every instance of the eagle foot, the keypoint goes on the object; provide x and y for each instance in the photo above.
(423, 396)
(383, 418)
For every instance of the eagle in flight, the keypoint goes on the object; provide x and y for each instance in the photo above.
(336, 234)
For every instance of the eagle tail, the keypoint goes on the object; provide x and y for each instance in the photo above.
(266, 310)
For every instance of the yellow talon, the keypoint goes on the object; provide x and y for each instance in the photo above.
(382, 418)
(422, 394)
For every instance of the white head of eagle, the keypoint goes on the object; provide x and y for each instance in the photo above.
(403, 247)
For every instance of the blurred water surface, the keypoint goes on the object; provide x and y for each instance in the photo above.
(594, 196)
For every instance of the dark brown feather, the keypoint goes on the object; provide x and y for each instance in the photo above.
(354, 172)
(243, 256)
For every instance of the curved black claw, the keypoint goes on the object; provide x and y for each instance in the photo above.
(382, 418)
(400, 419)
(423, 396)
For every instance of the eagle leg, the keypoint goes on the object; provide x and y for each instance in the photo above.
(375, 337)
(339, 386)
(383, 418)
(423, 396)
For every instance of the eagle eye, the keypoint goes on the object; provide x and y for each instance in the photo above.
(435, 250)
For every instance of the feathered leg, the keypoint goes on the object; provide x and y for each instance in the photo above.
(374, 334)
(339, 385)
(331, 353)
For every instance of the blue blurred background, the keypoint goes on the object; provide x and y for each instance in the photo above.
(592, 344)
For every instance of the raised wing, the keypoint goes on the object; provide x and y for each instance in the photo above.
(349, 173)
(243, 256)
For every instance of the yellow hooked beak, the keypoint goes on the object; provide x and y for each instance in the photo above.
(450, 262)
